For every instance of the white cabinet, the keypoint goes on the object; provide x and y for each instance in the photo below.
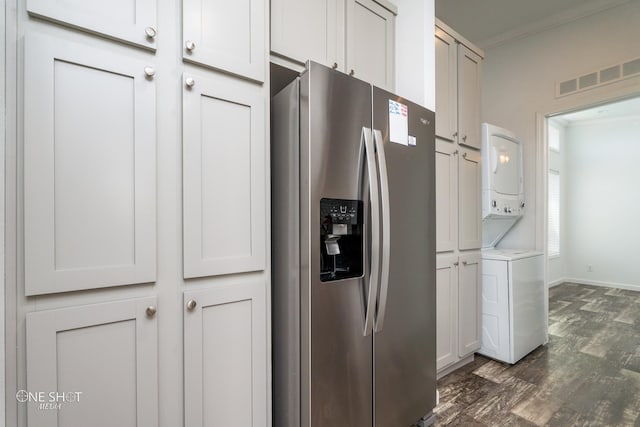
(446, 195)
(226, 35)
(469, 199)
(469, 304)
(225, 356)
(458, 307)
(100, 361)
(446, 310)
(89, 166)
(132, 21)
(458, 88)
(469, 90)
(320, 30)
(224, 165)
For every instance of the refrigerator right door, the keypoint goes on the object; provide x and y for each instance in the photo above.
(404, 342)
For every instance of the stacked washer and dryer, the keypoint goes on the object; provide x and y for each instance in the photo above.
(513, 307)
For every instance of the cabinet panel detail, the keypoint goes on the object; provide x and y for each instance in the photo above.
(102, 357)
(89, 167)
(446, 311)
(469, 200)
(224, 177)
(225, 356)
(226, 35)
(370, 40)
(132, 21)
(469, 304)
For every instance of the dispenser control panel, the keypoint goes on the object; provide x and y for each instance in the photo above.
(341, 239)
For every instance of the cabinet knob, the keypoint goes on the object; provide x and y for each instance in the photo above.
(352, 72)
(455, 264)
(150, 32)
(464, 137)
(455, 134)
(335, 65)
(455, 153)
(464, 155)
(149, 71)
(151, 311)
(190, 45)
(464, 262)
(189, 81)
(191, 304)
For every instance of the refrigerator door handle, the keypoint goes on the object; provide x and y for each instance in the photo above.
(369, 149)
(384, 192)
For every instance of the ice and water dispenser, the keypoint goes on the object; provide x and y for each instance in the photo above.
(341, 239)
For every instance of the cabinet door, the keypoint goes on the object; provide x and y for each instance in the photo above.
(370, 43)
(99, 362)
(226, 35)
(446, 310)
(225, 356)
(132, 21)
(446, 86)
(469, 304)
(89, 166)
(469, 93)
(446, 196)
(224, 181)
(309, 29)
(469, 200)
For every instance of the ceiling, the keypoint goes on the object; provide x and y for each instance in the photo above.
(626, 108)
(489, 23)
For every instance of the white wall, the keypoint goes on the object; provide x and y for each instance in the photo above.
(519, 79)
(603, 207)
(557, 267)
(415, 51)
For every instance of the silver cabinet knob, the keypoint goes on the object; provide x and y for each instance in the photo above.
(335, 65)
(464, 137)
(464, 155)
(455, 134)
(151, 311)
(189, 81)
(149, 71)
(352, 72)
(150, 32)
(190, 45)
(464, 262)
(455, 264)
(455, 153)
(191, 304)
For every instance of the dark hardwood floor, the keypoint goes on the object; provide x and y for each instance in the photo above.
(587, 375)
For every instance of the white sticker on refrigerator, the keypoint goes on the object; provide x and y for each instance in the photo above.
(412, 141)
(398, 123)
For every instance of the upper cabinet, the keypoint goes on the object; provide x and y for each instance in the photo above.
(458, 88)
(320, 30)
(226, 35)
(132, 21)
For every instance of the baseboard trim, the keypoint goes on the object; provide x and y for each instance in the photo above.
(557, 282)
(457, 365)
(625, 286)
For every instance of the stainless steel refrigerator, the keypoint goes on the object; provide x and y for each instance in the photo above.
(353, 249)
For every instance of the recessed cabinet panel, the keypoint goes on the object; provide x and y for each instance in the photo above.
(370, 43)
(132, 21)
(225, 356)
(469, 304)
(446, 310)
(469, 95)
(102, 357)
(446, 189)
(470, 205)
(223, 177)
(226, 35)
(308, 29)
(89, 161)
(446, 85)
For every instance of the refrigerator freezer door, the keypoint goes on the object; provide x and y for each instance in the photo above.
(336, 357)
(405, 367)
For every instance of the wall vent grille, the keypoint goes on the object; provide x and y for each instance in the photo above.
(598, 78)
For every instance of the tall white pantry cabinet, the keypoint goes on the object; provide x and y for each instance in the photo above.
(138, 184)
(458, 207)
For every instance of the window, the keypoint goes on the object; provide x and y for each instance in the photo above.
(554, 138)
(554, 213)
